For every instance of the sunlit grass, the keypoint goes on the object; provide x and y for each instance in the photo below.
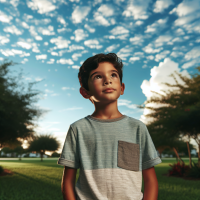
(34, 179)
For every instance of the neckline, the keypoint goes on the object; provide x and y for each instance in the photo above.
(106, 120)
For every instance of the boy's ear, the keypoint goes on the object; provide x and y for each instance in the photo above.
(84, 93)
(122, 88)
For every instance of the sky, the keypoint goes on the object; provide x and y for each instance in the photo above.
(50, 39)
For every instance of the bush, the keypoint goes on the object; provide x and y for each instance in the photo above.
(194, 171)
(55, 154)
(178, 169)
(1, 169)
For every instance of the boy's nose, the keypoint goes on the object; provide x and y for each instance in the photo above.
(107, 80)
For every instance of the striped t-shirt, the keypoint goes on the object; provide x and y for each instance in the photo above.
(111, 154)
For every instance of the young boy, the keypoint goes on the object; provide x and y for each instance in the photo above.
(112, 151)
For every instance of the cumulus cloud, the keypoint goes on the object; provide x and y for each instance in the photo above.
(93, 44)
(61, 20)
(158, 25)
(101, 20)
(137, 40)
(127, 103)
(46, 31)
(137, 9)
(161, 5)
(75, 67)
(5, 18)
(191, 63)
(112, 48)
(75, 56)
(120, 32)
(124, 52)
(60, 42)
(12, 52)
(4, 40)
(192, 54)
(106, 10)
(91, 30)
(79, 13)
(161, 55)
(159, 76)
(42, 6)
(150, 49)
(163, 39)
(80, 35)
(65, 61)
(41, 57)
(13, 30)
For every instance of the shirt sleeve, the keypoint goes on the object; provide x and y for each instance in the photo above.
(70, 154)
(150, 156)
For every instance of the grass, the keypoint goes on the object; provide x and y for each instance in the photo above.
(34, 179)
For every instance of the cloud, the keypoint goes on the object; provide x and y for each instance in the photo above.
(101, 20)
(162, 39)
(137, 40)
(24, 44)
(75, 56)
(106, 10)
(12, 52)
(41, 57)
(93, 44)
(46, 31)
(65, 61)
(13, 30)
(80, 35)
(61, 20)
(158, 25)
(192, 54)
(133, 59)
(4, 40)
(74, 47)
(127, 103)
(91, 30)
(51, 61)
(161, 55)
(80, 13)
(60, 42)
(149, 49)
(190, 64)
(42, 6)
(72, 108)
(137, 9)
(161, 5)
(5, 18)
(75, 67)
(120, 32)
(124, 52)
(112, 48)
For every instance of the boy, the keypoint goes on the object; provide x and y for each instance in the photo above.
(112, 150)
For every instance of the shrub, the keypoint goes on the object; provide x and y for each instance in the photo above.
(178, 169)
(55, 154)
(194, 171)
(1, 169)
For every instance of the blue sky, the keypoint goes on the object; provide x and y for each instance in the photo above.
(50, 39)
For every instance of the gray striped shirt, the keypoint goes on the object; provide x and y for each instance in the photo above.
(111, 154)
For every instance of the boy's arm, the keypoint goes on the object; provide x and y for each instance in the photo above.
(68, 183)
(150, 184)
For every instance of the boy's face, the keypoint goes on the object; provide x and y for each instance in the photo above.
(100, 79)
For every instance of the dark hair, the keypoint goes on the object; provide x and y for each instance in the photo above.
(92, 63)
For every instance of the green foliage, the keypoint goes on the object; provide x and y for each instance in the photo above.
(1, 169)
(43, 143)
(194, 171)
(178, 169)
(55, 154)
(17, 110)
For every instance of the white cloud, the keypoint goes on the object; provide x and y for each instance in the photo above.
(127, 103)
(41, 57)
(149, 49)
(161, 23)
(124, 52)
(38, 79)
(72, 108)
(79, 13)
(106, 10)
(118, 30)
(161, 55)
(42, 6)
(61, 20)
(75, 56)
(74, 47)
(137, 9)
(60, 42)
(91, 30)
(159, 76)
(100, 19)
(111, 48)
(75, 67)
(4, 40)
(137, 40)
(65, 61)
(190, 64)
(163, 39)
(80, 35)
(176, 54)
(161, 5)
(93, 44)
(65, 88)
(139, 22)
(192, 54)
(12, 52)
(54, 53)
(13, 30)
(133, 59)
(46, 31)
(25, 45)
(5, 18)
(51, 61)
(37, 37)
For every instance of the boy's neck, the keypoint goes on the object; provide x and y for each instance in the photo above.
(106, 111)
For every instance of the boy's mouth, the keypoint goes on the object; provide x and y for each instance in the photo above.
(108, 90)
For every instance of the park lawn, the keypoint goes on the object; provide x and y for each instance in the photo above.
(33, 179)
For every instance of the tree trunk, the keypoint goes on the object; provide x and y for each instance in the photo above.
(199, 156)
(189, 154)
(175, 151)
(41, 155)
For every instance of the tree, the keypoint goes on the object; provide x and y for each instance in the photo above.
(43, 143)
(17, 110)
(178, 113)
(19, 150)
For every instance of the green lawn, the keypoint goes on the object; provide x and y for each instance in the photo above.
(36, 180)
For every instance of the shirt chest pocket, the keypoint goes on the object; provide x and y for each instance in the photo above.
(128, 155)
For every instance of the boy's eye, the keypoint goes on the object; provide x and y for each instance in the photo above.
(114, 74)
(97, 76)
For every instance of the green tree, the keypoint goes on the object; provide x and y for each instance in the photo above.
(43, 143)
(178, 113)
(19, 150)
(17, 106)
